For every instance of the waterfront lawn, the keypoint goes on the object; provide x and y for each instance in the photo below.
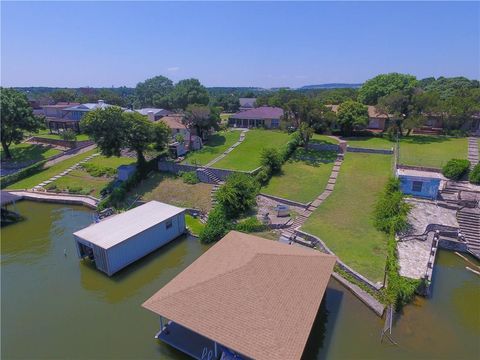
(246, 156)
(214, 147)
(323, 139)
(344, 220)
(195, 226)
(79, 181)
(47, 173)
(370, 142)
(172, 190)
(29, 153)
(303, 177)
(46, 134)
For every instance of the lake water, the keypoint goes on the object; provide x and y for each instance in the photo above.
(56, 307)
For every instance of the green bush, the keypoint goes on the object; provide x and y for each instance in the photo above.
(251, 224)
(263, 176)
(271, 159)
(217, 226)
(291, 146)
(51, 187)
(474, 176)
(189, 177)
(99, 171)
(69, 135)
(22, 174)
(455, 169)
(238, 194)
(391, 211)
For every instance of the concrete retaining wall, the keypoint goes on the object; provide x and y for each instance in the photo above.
(369, 151)
(285, 201)
(324, 147)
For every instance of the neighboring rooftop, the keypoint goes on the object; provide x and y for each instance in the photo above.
(61, 105)
(174, 121)
(89, 106)
(372, 111)
(247, 102)
(255, 296)
(155, 111)
(121, 227)
(262, 112)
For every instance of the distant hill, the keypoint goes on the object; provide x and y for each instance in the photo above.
(330, 86)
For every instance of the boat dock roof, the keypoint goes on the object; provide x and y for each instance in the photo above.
(255, 296)
(116, 229)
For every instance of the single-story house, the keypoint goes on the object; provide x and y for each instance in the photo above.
(423, 184)
(376, 120)
(244, 298)
(153, 114)
(177, 127)
(63, 116)
(247, 103)
(263, 116)
(122, 239)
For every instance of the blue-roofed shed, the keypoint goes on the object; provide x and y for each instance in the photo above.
(421, 184)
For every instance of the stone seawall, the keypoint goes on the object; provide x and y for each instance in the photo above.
(369, 151)
(324, 147)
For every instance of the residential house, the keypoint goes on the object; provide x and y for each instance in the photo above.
(377, 121)
(177, 127)
(153, 114)
(247, 103)
(263, 116)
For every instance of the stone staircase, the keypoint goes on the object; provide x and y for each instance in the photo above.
(473, 151)
(451, 193)
(214, 179)
(469, 222)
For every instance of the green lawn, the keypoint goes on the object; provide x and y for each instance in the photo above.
(46, 134)
(246, 156)
(49, 172)
(172, 190)
(323, 139)
(80, 181)
(215, 146)
(33, 153)
(302, 179)
(344, 221)
(419, 150)
(194, 224)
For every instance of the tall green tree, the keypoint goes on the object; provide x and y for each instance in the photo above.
(63, 95)
(139, 134)
(306, 133)
(16, 118)
(153, 91)
(238, 194)
(187, 92)
(350, 115)
(202, 118)
(385, 84)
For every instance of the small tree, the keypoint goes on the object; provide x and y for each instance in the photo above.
(306, 133)
(201, 118)
(16, 118)
(69, 135)
(238, 194)
(139, 134)
(271, 160)
(351, 114)
(217, 226)
(161, 135)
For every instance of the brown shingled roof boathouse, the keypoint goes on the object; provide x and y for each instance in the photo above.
(242, 298)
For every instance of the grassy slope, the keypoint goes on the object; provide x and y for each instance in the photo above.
(323, 139)
(29, 152)
(302, 180)
(246, 156)
(215, 146)
(49, 172)
(344, 221)
(172, 190)
(194, 224)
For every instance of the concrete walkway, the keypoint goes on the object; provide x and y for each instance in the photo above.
(226, 152)
(71, 168)
(473, 151)
(88, 201)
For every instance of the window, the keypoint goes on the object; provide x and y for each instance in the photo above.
(275, 123)
(417, 186)
(168, 224)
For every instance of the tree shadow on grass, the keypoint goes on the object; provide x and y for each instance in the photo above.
(314, 157)
(27, 153)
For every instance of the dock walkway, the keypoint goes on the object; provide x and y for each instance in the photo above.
(88, 201)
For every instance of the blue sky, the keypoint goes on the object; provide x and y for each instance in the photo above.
(263, 44)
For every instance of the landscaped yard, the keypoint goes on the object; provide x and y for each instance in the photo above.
(82, 182)
(46, 134)
(344, 221)
(216, 145)
(246, 156)
(419, 150)
(46, 174)
(303, 177)
(172, 190)
(29, 153)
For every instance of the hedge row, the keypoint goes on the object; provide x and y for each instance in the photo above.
(22, 174)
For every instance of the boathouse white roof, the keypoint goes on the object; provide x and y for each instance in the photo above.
(121, 227)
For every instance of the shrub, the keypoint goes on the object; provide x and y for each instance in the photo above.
(51, 187)
(189, 177)
(251, 224)
(474, 176)
(455, 169)
(217, 226)
(263, 176)
(99, 171)
(238, 194)
(69, 135)
(292, 145)
(391, 211)
(271, 159)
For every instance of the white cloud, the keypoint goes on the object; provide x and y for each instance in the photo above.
(173, 69)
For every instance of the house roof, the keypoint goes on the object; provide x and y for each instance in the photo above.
(255, 296)
(420, 174)
(155, 111)
(61, 105)
(262, 112)
(174, 121)
(247, 102)
(121, 227)
(372, 111)
(88, 106)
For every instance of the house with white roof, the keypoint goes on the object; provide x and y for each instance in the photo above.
(153, 114)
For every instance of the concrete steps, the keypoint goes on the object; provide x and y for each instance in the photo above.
(469, 222)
